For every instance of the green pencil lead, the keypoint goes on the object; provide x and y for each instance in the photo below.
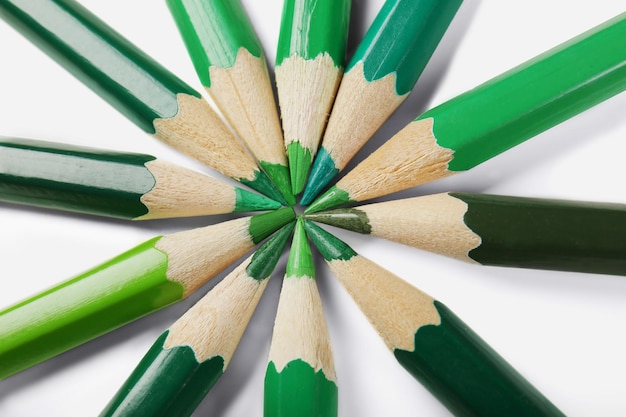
(281, 177)
(263, 225)
(348, 218)
(266, 257)
(332, 198)
(248, 201)
(331, 247)
(322, 172)
(264, 185)
(300, 160)
(300, 263)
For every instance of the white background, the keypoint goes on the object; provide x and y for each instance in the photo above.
(563, 331)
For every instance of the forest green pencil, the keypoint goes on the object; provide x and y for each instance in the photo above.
(230, 63)
(432, 343)
(309, 65)
(499, 230)
(154, 274)
(492, 118)
(300, 377)
(137, 86)
(113, 184)
(187, 359)
(384, 69)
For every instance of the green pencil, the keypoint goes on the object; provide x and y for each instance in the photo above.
(187, 359)
(379, 77)
(309, 66)
(114, 184)
(300, 378)
(230, 63)
(141, 89)
(499, 230)
(150, 276)
(492, 118)
(432, 343)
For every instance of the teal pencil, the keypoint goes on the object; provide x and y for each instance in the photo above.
(113, 184)
(136, 85)
(430, 341)
(187, 359)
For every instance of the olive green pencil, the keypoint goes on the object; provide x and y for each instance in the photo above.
(154, 274)
(113, 184)
(136, 85)
(430, 341)
(493, 117)
(230, 63)
(187, 359)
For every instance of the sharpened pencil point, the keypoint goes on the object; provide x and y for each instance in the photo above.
(300, 160)
(263, 225)
(279, 174)
(266, 257)
(328, 245)
(332, 198)
(262, 184)
(323, 171)
(300, 263)
(248, 201)
(349, 219)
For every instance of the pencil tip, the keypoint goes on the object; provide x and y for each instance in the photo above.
(266, 257)
(262, 184)
(300, 159)
(249, 201)
(332, 198)
(323, 171)
(279, 174)
(347, 218)
(300, 263)
(329, 246)
(263, 225)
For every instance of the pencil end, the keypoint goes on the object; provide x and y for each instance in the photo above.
(332, 198)
(279, 174)
(262, 184)
(329, 246)
(246, 201)
(300, 263)
(266, 257)
(300, 159)
(263, 225)
(322, 173)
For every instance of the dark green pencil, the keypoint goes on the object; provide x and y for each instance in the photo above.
(432, 343)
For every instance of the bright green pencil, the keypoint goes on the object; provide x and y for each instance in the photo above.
(499, 230)
(230, 63)
(379, 77)
(492, 118)
(309, 66)
(187, 359)
(432, 343)
(150, 276)
(141, 89)
(300, 378)
(114, 184)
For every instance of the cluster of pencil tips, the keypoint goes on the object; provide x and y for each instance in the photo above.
(327, 116)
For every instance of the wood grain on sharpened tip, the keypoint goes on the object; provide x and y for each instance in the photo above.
(141, 89)
(384, 69)
(113, 184)
(493, 117)
(432, 343)
(309, 64)
(230, 63)
(152, 275)
(499, 230)
(300, 378)
(188, 358)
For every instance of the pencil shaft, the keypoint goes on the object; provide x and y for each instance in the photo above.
(492, 118)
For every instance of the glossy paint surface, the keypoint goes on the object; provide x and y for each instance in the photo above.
(214, 31)
(533, 97)
(467, 376)
(312, 27)
(167, 383)
(121, 290)
(71, 178)
(402, 39)
(118, 71)
(547, 234)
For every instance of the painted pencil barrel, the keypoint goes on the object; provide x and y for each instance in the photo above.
(133, 83)
(123, 289)
(185, 361)
(384, 69)
(467, 375)
(532, 97)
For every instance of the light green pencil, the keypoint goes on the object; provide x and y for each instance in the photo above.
(309, 66)
(230, 63)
